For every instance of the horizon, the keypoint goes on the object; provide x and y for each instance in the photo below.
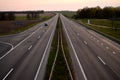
(54, 5)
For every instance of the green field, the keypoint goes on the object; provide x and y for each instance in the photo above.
(113, 33)
(103, 22)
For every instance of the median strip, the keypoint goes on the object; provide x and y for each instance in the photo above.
(57, 68)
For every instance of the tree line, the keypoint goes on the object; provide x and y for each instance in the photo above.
(98, 12)
(10, 15)
(7, 16)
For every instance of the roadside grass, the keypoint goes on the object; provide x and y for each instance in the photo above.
(108, 32)
(13, 29)
(103, 22)
(24, 28)
(60, 71)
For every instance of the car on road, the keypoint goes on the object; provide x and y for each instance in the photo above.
(45, 24)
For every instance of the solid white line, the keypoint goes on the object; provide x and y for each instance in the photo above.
(35, 78)
(30, 47)
(107, 47)
(85, 42)
(54, 60)
(19, 44)
(85, 77)
(7, 74)
(101, 60)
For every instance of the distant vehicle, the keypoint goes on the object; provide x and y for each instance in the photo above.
(46, 24)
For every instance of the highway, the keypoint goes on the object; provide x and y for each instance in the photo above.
(28, 58)
(94, 57)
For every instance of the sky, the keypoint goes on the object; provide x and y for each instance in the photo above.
(53, 5)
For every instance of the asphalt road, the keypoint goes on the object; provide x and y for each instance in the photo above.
(94, 57)
(28, 58)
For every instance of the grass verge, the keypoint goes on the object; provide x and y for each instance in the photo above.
(107, 32)
(103, 22)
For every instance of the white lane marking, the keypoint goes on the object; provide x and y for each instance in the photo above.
(32, 33)
(19, 44)
(36, 76)
(101, 43)
(85, 42)
(97, 40)
(84, 75)
(30, 47)
(78, 34)
(114, 52)
(38, 37)
(101, 60)
(107, 47)
(8, 74)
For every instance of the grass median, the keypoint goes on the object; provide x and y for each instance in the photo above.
(60, 71)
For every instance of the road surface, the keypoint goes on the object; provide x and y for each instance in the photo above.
(94, 57)
(28, 58)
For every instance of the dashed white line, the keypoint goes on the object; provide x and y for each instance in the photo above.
(38, 37)
(8, 74)
(97, 40)
(85, 42)
(30, 47)
(101, 43)
(101, 60)
(107, 47)
(78, 34)
(114, 52)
